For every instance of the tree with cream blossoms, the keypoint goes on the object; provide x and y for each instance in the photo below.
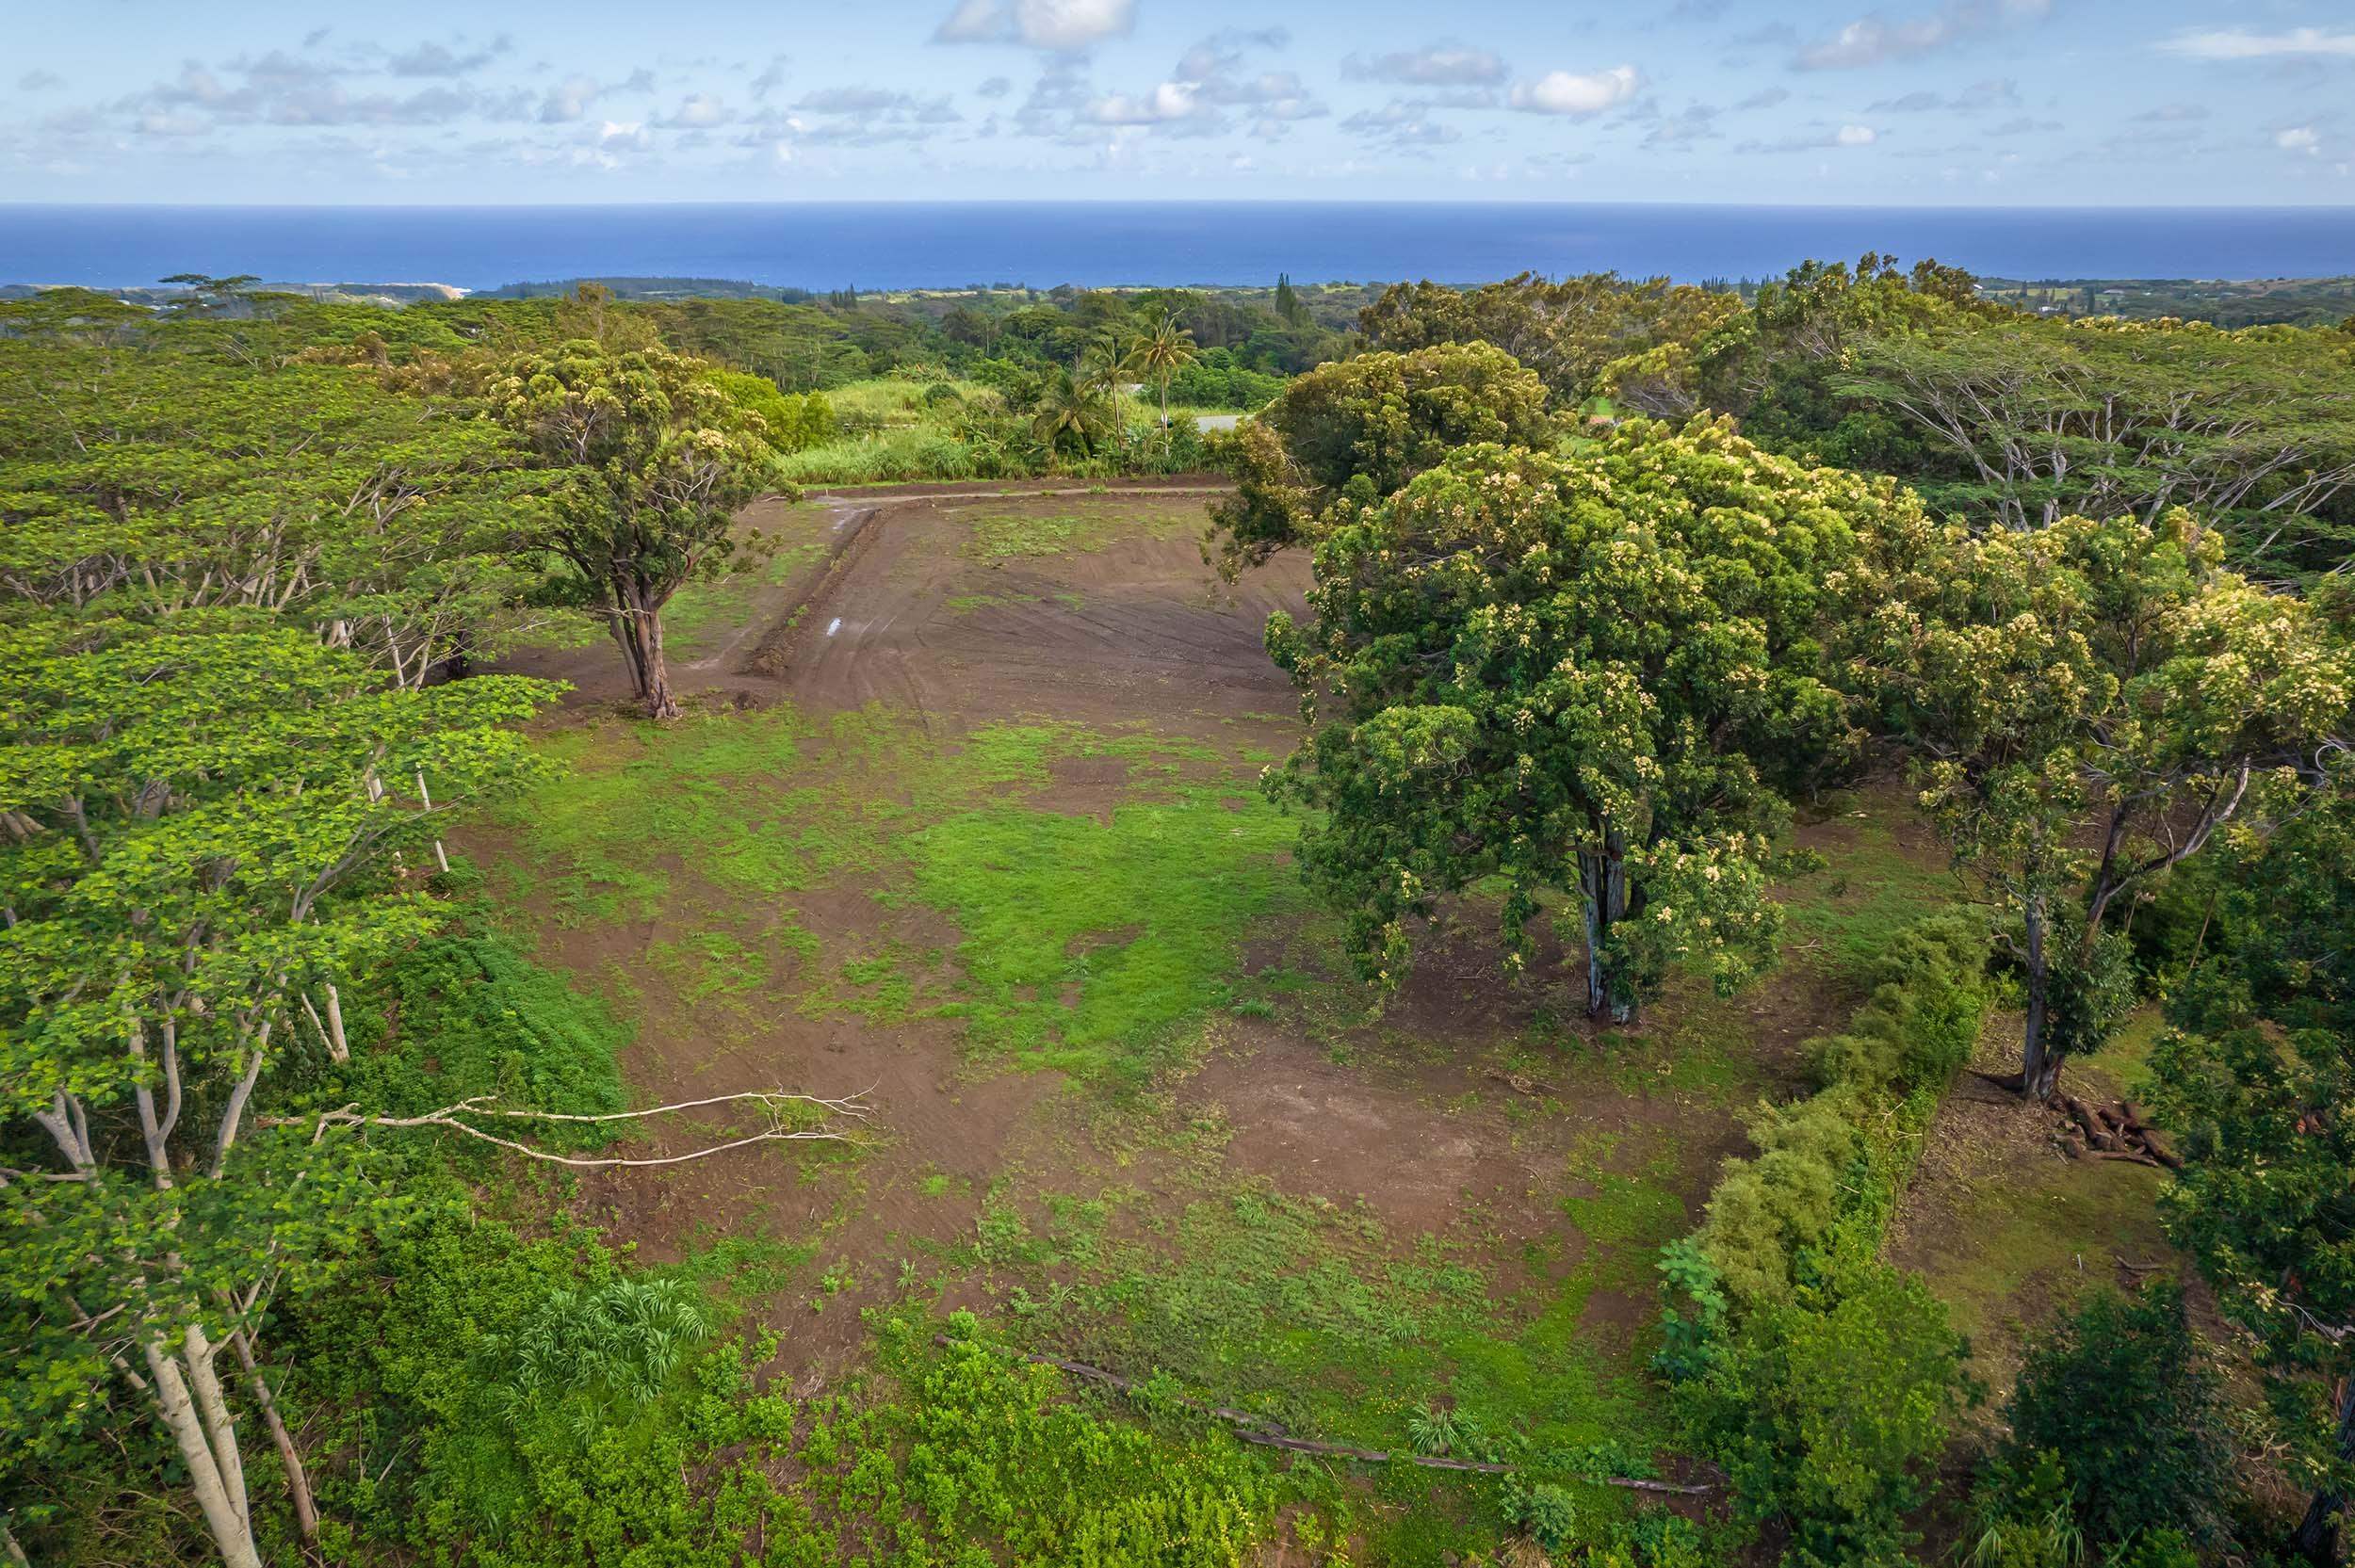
(2090, 703)
(1594, 675)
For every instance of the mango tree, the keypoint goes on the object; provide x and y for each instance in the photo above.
(1346, 435)
(2257, 1076)
(1593, 674)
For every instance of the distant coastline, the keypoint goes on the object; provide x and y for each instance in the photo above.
(826, 246)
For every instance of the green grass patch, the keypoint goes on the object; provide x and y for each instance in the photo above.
(996, 535)
(1083, 943)
(1845, 915)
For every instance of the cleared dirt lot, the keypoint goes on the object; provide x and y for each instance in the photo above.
(965, 815)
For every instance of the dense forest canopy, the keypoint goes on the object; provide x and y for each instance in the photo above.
(1601, 590)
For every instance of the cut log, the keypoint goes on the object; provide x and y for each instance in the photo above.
(2132, 1157)
(2160, 1150)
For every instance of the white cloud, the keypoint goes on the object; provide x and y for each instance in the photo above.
(434, 60)
(1442, 64)
(697, 111)
(1571, 93)
(1815, 141)
(2237, 43)
(1168, 102)
(1402, 122)
(567, 100)
(1875, 39)
(2299, 138)
(1058, 26)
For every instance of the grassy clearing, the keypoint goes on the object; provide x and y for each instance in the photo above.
(1084, 941)
(1843, 916)
(1311, 1311)
(2007, 1232)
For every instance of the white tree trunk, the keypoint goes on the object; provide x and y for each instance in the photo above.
(224, 1512)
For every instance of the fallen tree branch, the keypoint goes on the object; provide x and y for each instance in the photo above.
(1270, 1434)
(777, 1103)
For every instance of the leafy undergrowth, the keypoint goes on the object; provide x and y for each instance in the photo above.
(515, 1403)
(1316, 1314)
(471, 1015)
(1085, 940)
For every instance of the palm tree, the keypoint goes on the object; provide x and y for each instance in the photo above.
(1104, 368)
(1161, 354)
(1068, 407)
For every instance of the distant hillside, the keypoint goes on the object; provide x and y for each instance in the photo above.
(2251, 302)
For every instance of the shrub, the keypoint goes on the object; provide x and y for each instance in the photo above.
(1544, 1511)
(1828, 1411)
(1851, 1145)
(2117, 1393)
(1822, 1378)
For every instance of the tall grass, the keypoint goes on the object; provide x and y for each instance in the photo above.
(892, 457)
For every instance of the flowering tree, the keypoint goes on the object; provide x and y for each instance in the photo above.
(2089, 703)
(1594, 674)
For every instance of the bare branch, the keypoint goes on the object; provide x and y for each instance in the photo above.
(777, 1103)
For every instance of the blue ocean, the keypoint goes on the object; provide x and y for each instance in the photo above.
(1096, 243)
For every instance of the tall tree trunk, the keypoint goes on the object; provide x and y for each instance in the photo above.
(659, 701)
(2316, 1538)
(638, 628)
(2040, 1069)
(220, 1489)
(1603, 887)
(289, 1456)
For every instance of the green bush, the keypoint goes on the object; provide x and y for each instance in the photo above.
(493, 1399)
(1853, 1143)
(2118, 1393)
(1822, 1378)
(888, 457)
(473, 1015)
(1828, 1412)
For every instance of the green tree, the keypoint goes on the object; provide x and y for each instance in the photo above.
(1069, 413)
(2089, 703)
(202, 827)
(653, 462)
(1288, 307)
(1566, 331)
(2258, 1077)
(2118, 1392)
(2029, 420)
(1347, 434)
(1830, 1410)
(1586, 674)
(150, 478)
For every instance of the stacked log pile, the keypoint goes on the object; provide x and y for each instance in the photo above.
(2114, 1131)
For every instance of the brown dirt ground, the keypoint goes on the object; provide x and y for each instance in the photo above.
(1417, 1112)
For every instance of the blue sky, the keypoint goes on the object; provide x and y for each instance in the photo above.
(1917, 102)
